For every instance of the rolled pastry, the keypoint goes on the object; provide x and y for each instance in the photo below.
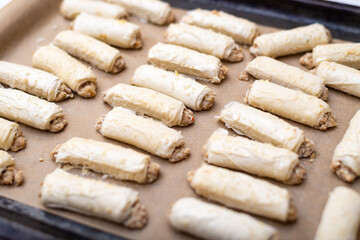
(90, 50)
(287, 42)
(115, 161)
(76, 75)
(242, 192)
(124, 125)
(154, 11)
(340, 77)
(341, 216)
(265, 127)
(119, 33)
(145, 101)
(8, 173)
(257, 158)
(193, 94)
(11, 137)
(33, 81)
(205, 41)
(93, 198)
(294, 105)
(71, 8)
(30, 110)
(209, 221)
(187, 61)
(347, 54)
(240, 29)
(288, 76)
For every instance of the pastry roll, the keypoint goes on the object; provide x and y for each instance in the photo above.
(209, 221)
(93, 198)
(287, 42)
(187, 61)
(346, 159)
(90, 50)
(33, 81)
(340, 77)
(294, 105)
(265, 127)
(115, 161)
(205, 41)
(193, 94)
(11, 137)
(341, 216)
(257, 158)
(119, 33)
(154, 11)
(76, 75)
(152, 136)
(288, 76)
(240, 29)
(145, 101)
(8, 173)
(347, 54)
(71, 8)
(242, 192)
(30, 110)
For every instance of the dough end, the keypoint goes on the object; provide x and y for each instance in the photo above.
(236, 54)
(99, 122)
(152, 172)
(187, 118)
(327, 121)
(292, 214)
(255, 50)
(223, 71)
(297, 175)
(87, 89)
(307, 61)
(11, 176)
(307, 148)
(118, 66)
(57, 124)
(325, 94)
(207, 101)
(343, 172)
(138, 217)
(19, 141)
(63, 93)
(180, 153)
(138, 42)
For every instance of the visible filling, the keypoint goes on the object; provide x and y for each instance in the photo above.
(187, 117)
(99, 123)
(180, 153)
(306, 148)
(152, 172)
(207, 101)
(223, 71)
(327, 121)
(138, 42)
(297, 175)
(255, 50)
(57, 124)
(10, 176)
(325, 94)
(63, 93)
(119, 65)
(19, 141)
(87, 89)
(343, 172)
(137, 218)
(236, 54)
(307, 61)
(292, 215)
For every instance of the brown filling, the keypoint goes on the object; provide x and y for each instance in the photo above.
(152, 172)
(57, 124)
(180, 153)
(307, 61)
(244, 76)
(255, 50)
(10, 176)
(223, 71)
(119, 65)
(306, 148)
(207, 101)
(19, 141)
(137, 218)
(325, 94)
(63, 93)
(327, 121)
(187, 117)
(99, 123)
(87, 89)
(171, 18)
(297, 175)
(292, 215)
(138, 42)
(343, 172)
(236, 54)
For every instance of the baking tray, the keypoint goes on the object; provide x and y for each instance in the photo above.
(26, 25)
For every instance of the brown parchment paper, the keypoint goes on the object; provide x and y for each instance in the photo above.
(25, 25)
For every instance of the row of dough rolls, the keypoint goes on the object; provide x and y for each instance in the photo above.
(9, 174)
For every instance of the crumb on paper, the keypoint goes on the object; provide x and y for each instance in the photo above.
(40, 40)
(54, 27)
(41, 159)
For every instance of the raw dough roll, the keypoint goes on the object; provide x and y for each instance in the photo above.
(33, 81)
(119, 33)
(246, 155)
(154, 11)
(346, 159)
(343, 53)
(240, 29)
(115, 161)
(193, 94)
(71, 8)
(124, 125)
(145, 101)
(8, 173)
(288, 76)
(93, 198)
(30, 110)
(287, 42)
(291, 104)
(76, 75)
(11, 137)
(242, 192)
(209, 221)
(90, 50)
(187, 61)
(341, 216)
(340, 77)
(205, 41)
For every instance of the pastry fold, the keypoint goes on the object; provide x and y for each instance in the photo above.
(6, 160)
(8, 173)
(287, 42)
(253, 157)
(205, 41)
(242, 192)
(291, 104)
(209, 221)
(115, 32)
(11, 136)
(193, 94)
(33, 81)
(93, 198)
(187, 61)
(148, 102)
(30, 110)
(75, 75)
(240, 29)
(71, 8)
(90, 50)
(341, 216)
(152, 136)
